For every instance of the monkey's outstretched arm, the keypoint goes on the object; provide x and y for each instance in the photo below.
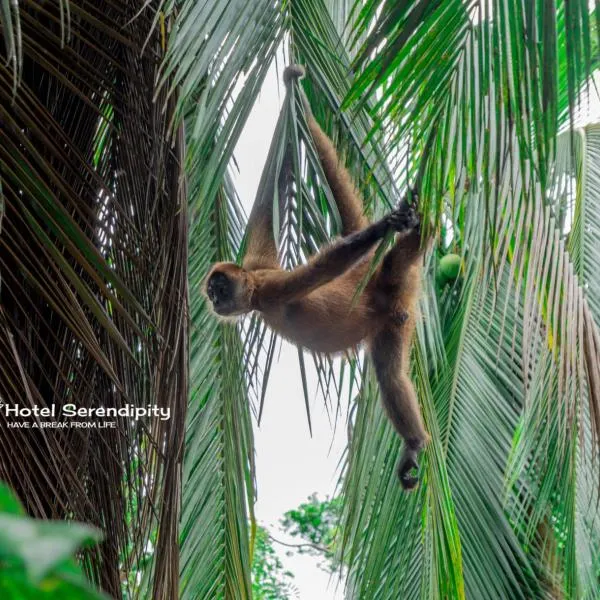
(347, 198)
(275, 287)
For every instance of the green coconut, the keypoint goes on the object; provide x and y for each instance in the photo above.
(449, 267)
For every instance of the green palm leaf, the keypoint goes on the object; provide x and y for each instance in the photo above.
(484, 119)
(210, 60)
(218, 477)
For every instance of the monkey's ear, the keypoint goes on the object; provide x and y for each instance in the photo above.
(293, 72)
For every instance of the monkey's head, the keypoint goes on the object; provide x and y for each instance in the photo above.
(229, 288)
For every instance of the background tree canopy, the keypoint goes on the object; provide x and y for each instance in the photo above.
(118, 122)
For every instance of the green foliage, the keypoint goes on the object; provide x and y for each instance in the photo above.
(316, 522)
(466, 98)
(36, 556)
(479, 92)
(269, 579)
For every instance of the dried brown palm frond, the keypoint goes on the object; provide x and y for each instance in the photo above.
(93, 268)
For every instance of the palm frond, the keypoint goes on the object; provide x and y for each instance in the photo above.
(218, 482)
(218, 56)
(481, 92)
(93, 298)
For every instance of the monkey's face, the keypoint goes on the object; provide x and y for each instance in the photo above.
(228, 290)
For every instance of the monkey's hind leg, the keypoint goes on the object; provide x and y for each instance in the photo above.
(399, 400)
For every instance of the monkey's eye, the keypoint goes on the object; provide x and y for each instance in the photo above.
(219, 288)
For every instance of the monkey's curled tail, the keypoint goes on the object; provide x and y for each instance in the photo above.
(293, 72)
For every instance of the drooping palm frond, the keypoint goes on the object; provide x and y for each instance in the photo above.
(217, 58)
(218, 486)
(542, 448)
(94, 284)
(583, 236)
(481, 91)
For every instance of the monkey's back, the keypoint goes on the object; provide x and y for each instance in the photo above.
(329, 319)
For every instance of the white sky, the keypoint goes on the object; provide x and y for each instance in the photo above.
(290, 464)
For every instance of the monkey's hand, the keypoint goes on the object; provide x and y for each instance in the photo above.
(409, 463)
(410, 200)
(404, 217)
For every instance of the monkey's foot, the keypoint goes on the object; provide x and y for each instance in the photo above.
(406, 466)
(409, 465)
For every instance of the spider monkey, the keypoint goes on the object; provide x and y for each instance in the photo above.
(313, 305)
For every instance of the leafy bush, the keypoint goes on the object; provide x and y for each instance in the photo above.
(316, 522)
(37, 556)
(270, 581)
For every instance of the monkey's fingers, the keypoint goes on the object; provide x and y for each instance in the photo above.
(413, 197)
(409, 200)
(407, 464)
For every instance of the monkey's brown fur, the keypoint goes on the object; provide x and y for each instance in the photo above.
(313, 306)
